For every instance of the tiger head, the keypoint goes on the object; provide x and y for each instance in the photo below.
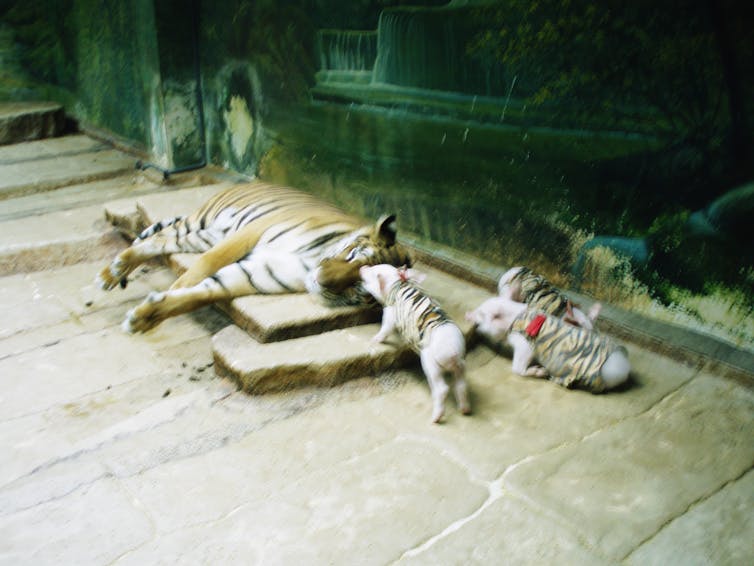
(337, 278)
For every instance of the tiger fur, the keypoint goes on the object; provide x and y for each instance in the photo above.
(257, 238)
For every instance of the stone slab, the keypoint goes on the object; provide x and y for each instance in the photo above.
(30, 152)
(53, 532)
(714, 531)
(18, 179)
(44, 306)
(515, 417)
(22, 121)
(504, 531)
(325, 359)
(620, 485)
(56, 239)
(360, 511)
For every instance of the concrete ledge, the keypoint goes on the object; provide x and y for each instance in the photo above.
(24, 121)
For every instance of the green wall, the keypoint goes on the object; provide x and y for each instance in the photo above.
(607, 144)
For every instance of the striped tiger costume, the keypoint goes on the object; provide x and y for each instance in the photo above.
(572, 356)
(416, 314)
(257, 238)
(535, 291)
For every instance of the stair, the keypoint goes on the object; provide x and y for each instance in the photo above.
(52, 191)
(26, 121)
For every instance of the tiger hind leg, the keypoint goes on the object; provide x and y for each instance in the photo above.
(261, 273)
(160, 239)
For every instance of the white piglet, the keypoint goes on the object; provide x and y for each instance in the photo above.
(569, 355)
(425, 327)
(521, 284)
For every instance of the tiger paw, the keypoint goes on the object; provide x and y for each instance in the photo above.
(145, 316)
(112, 276)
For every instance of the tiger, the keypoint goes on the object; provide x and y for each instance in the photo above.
(523, 285)
(424, 326)
(257, 238)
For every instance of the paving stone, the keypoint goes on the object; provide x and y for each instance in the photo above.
(72, 367)
(84, 424)
(322, 518)
(47, 483)
(56, 239)
(516, 417)
(620, 485)
(504, 531)
(715, 531)
(74, 530)
(335, 434)
(46, 306)
(21, 121)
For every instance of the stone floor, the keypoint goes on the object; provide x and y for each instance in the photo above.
(123, 449)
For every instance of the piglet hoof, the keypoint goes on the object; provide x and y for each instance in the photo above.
(437, 416)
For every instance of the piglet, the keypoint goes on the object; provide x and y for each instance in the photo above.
(521, 284)
(424, 326)
(567, 354)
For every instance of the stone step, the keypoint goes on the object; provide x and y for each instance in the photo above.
(55, 236)
(31, 167)
(272, 318)
(25, 121)
(322, 360)
(329, 357)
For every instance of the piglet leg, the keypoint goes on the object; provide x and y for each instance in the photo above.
(437, 386)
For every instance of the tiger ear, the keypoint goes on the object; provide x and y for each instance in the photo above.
(413, 275)
(385, 229)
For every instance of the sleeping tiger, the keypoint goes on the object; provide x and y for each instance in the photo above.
(257, 238)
